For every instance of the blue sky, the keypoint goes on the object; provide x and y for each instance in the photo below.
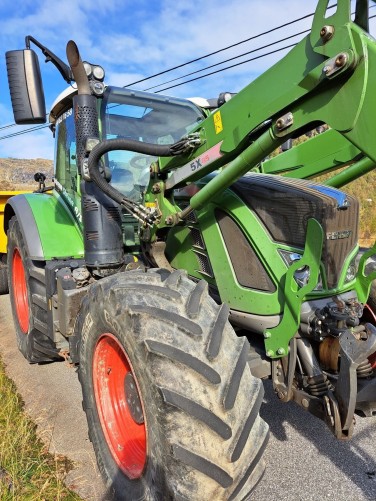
(135, 39)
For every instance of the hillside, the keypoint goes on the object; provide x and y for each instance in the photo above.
(16, 174)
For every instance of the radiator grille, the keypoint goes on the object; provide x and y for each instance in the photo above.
(285, 205)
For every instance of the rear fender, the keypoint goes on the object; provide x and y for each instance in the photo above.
(49, 229)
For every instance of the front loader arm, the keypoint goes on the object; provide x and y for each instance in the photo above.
(327, 78)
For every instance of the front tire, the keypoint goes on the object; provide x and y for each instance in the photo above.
(28, 300)
(171, 405)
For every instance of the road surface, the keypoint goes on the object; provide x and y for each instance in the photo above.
(305, 461)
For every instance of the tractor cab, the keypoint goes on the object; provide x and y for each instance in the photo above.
(123, 113)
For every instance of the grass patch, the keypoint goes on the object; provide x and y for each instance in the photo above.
(27, 471)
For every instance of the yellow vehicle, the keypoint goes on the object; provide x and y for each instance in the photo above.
(4, 196)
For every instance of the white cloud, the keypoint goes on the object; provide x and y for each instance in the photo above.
(38, 144)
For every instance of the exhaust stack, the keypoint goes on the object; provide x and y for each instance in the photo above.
(101, 216)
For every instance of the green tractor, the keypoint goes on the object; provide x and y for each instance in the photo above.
(176, 273)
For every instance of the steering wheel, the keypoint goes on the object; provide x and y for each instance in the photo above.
(140, 161)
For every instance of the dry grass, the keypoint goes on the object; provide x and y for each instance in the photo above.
(27, 470)
(364, 189)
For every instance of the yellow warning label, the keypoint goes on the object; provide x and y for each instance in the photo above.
(218, 122)
(150, 205)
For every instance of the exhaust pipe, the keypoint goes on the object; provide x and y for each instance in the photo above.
(77, 67)
(101, 216)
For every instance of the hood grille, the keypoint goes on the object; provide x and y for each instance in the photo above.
(284, 206)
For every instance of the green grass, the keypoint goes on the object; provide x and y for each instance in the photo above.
(27, 471)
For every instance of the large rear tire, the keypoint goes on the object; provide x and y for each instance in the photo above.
(171, 405)
(28, 299)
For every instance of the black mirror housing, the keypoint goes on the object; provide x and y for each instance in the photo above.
(25, 86)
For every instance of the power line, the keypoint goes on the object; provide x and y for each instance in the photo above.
(12, 125)
(25, 131)
(230, 59)
(200, 58)
(226, 48)
(227, 68)
(7, 126)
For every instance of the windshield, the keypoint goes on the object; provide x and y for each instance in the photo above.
(146, 117)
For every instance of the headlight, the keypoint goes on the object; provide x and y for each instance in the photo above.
(98, 73)
(302, 274)
(88, 68)
(289, 257)
(351, 271)
(94, 71)
(97, 87)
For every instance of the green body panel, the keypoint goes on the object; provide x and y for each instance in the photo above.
(319, 154)
(59, 233)
(323, 153)
(351, 173)
(238, 297)
(182, 253)
(276, 341)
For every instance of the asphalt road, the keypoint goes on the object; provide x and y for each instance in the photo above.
(304, 461)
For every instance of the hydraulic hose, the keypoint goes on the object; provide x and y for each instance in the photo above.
(100, 149)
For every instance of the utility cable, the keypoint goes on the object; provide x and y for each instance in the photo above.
(25, 131)
(227, 67)
(230, 59)
(13, 125)
(33, 129)
(226, 48)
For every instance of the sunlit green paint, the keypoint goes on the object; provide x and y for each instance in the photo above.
(277, 339)
(59, 233)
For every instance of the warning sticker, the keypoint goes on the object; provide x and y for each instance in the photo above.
(218, 122)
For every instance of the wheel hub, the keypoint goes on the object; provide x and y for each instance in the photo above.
(133, 399)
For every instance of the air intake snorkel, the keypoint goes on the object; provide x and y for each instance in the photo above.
(101, 215)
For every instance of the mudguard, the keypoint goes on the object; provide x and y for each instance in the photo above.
(49, 228)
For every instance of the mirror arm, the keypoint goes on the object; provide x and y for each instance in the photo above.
(63, 68)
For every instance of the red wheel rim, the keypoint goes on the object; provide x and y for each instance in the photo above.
(125, 437)
(20, 291)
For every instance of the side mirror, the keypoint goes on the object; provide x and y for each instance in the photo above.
(25, 86)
